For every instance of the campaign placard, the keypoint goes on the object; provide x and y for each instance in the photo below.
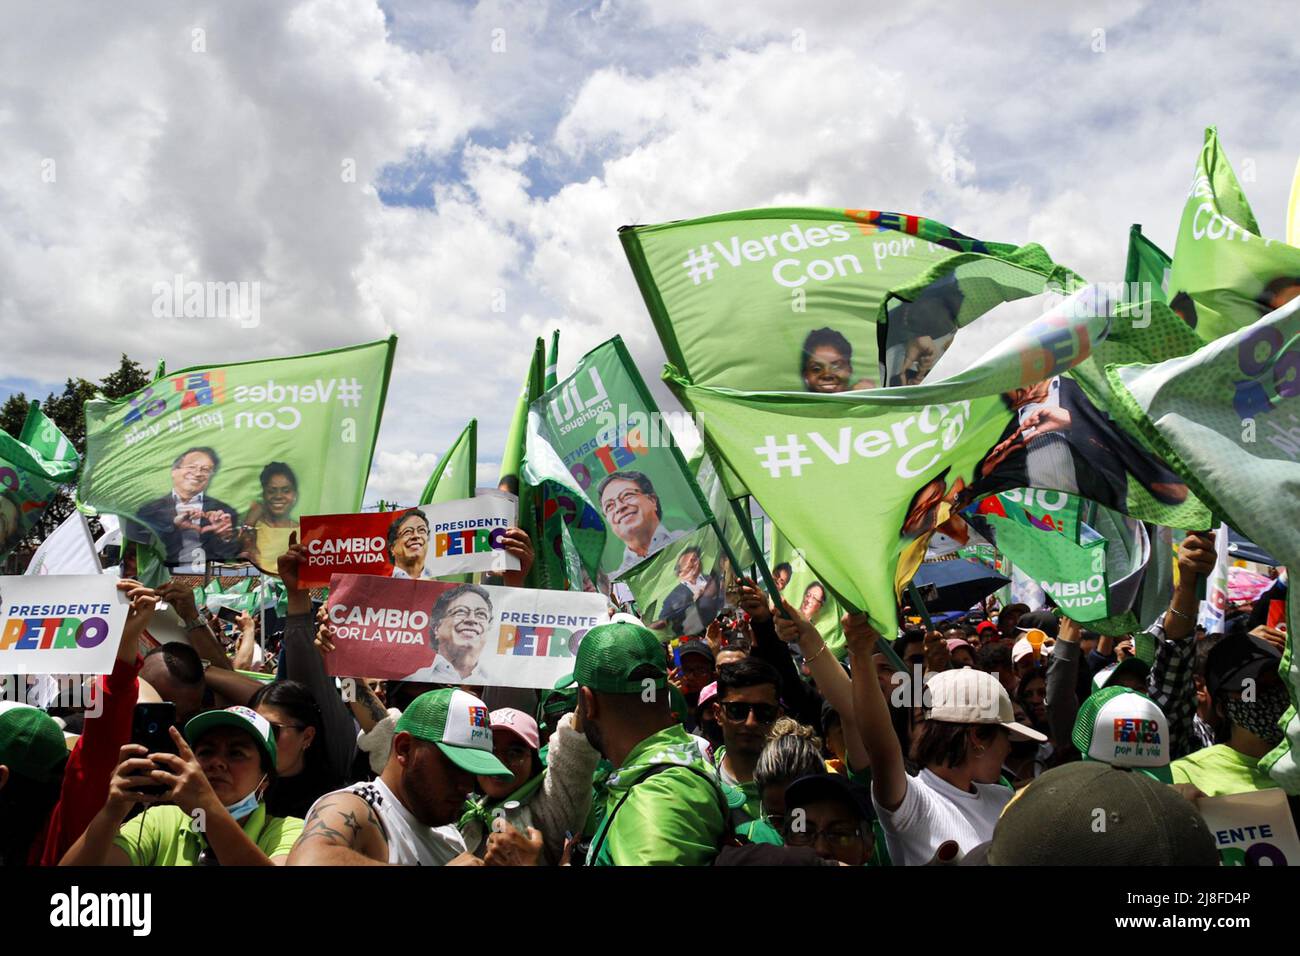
(447, 633)
(422, 543)
(60, 623)
(1252, 828)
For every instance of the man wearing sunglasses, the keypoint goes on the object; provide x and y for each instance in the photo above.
(746, 707)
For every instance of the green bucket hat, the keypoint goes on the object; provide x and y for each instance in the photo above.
(610, 653)
(461, 727)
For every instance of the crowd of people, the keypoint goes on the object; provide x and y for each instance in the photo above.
(750, 743)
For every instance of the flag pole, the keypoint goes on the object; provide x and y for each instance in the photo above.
(760, 559)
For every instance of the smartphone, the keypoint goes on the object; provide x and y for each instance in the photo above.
(149, 729)
(228, 614)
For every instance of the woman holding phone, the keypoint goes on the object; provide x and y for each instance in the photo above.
(211, 811)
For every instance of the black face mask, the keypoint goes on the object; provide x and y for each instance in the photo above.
(1023, 748)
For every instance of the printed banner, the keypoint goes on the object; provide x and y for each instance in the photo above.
(32, 467)
(60, 623)
(217, 463)
(1253, 828)
(444, 633)
(1073, 575)
(912, 458)
(421, 543)
(600, 435)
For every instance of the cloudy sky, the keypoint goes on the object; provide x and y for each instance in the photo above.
(455, 173)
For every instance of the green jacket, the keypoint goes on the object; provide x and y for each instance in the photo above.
(676, 816)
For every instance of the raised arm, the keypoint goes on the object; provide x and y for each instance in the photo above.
(829, 677)
(302, 662)
(197, 630)
(871, 713)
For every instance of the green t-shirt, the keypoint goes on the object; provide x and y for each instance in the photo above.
(674, 816)
(165, 836)
(1220, 770)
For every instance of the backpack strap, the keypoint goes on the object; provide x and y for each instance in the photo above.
(729, 836)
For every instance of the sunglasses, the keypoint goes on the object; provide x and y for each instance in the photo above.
(738, 711)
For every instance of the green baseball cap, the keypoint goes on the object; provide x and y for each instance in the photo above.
(610, 653)
(461, 727)
(32, 744)
(1126, 729)
(244, 718)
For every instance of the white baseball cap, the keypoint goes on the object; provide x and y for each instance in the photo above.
(969, 696)
(1124, 728)
(1021, 649)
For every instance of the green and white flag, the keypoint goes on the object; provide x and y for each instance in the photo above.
(1148, 271)
(599, 435)
(805, 590)
(33, 467)
(1227, 419)
(1225, 274)
(453, 477)
(796, 293)
(859, 482)
(681, 588)
(216, 463)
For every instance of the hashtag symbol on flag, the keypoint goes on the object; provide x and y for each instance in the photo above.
(350, 392)
(700, 262)
(789, 455)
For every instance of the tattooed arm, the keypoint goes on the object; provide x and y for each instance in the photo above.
(341, 830)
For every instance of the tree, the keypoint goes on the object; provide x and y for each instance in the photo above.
(67, 410)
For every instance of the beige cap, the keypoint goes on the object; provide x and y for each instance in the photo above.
(969, 696)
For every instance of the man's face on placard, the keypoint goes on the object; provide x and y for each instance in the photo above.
(629, 510)
(462, 632)
(192, 474)
(813, 599)
(412, 541)
(688, 566)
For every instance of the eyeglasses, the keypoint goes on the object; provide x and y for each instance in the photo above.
(841, 835)
(628, 497)
(198, 470)
(738, 710)
(478, 613)
(414, 532)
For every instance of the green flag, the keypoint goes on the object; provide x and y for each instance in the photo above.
(553, 361)
(1147, 272)
(860, 482)
(513, 453)
(806, 591)
(599, 435)
(1228, 420)
(32, 468)
(1072, 574)
(1225, 275)
(681, 588)
(215, 463)
(795, 293)
(453, 477)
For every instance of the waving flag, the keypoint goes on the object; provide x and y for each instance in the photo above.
(216, 463)
(33, 466)
(453, 477)
(1225, 274)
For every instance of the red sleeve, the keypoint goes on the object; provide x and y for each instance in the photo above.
(90, 765)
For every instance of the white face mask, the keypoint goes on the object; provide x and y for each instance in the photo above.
(242, 808)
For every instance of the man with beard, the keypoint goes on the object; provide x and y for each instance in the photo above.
(408, 543)
(406, 815)
(663, 803)
(632, 510)
(458, 629)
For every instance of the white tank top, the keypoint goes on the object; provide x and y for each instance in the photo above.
(410, 843)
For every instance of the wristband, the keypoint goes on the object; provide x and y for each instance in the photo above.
(1177, 613)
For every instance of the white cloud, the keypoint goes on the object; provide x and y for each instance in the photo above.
(229, 164)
